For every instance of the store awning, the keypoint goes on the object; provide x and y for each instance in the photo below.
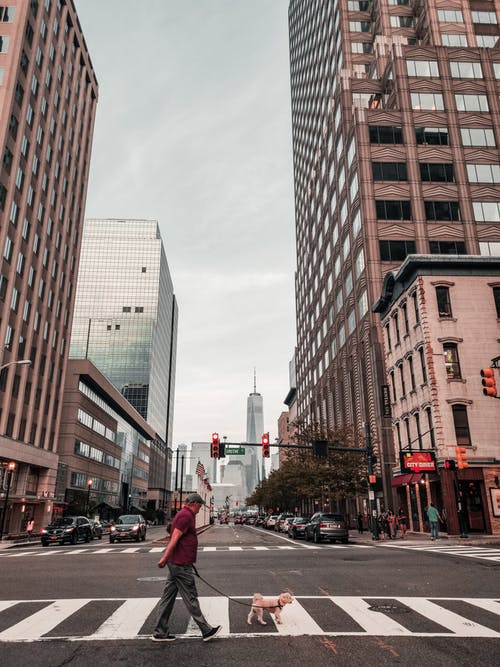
(104, 504)
(410, 478)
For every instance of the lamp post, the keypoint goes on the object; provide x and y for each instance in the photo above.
(89, 486)
(19, 362)
(11, 466)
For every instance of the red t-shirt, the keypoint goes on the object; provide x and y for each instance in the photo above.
(184, 552)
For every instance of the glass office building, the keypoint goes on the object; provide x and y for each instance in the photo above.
(125, 318)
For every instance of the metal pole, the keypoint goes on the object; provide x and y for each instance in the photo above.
(371, 488)
(182, 476)
(4, 513)
(462, 520)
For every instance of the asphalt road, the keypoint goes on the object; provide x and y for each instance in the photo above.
(361, 603)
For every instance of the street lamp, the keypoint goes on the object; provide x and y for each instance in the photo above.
(19, 362)
(11, 466)
(89, 486)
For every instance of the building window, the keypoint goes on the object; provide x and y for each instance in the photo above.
(436, 172)
(489, 248)
(412, 373)
(465, 70)
(404, 310)
(402, 379)
(488, 18)
(390, 209)
(396, 328)
(486, 41)
(430, 427)
(461, 424)
(447, 248)
(450, 39)
(471, 103)
(389, 171)
(483, 173)
(393, 385)
(472, 136)
(450, 16)
(408, 435)
(392, 251)
(388, 335)
(496, 298)
(431, 101)
(419, 432)
(427, 68)
(443, 301)
(380, 134)
(486, 211)
(398, 435)
(442, 210)
(422, 364)
(451, 361)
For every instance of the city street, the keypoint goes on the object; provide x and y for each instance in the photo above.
(386, 603)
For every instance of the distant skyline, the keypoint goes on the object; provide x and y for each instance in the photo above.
(193, 130)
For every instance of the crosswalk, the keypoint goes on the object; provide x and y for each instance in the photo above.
(491, 554)
(71, 551)
(87, 619)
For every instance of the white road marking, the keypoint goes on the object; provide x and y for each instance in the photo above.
(373, 622)
(127, 620)
(460, 626)
(295, 620)
(42, 621)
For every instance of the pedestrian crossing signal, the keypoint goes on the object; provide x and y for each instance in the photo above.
(449, 464)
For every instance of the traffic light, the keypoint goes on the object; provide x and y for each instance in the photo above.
(461, 457)
(266, 447)
(488, 382)
(449, 464)
(214, 450)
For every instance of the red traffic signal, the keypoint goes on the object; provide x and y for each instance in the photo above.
(461, 457)
(214, 449)
(488, 382)
(449, 464)
(266, 447)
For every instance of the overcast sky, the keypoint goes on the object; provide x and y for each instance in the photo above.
(193, 130)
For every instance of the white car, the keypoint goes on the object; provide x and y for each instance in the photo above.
(271, 522)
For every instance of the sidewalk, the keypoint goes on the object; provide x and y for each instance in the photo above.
(424, 538)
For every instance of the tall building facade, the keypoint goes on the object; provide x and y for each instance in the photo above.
(125, 318)
(48, 97)
(125, 322)
(395, 121)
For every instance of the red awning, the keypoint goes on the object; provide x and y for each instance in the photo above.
(410, 478)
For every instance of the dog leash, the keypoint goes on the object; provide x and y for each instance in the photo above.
(245, 604)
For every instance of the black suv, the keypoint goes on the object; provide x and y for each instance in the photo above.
(68, 529)
(128, 527)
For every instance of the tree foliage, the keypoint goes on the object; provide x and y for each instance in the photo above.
(303, 476)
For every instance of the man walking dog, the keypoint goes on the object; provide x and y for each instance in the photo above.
(179, 557)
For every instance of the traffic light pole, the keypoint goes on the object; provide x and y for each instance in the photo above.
(371, 487)
(462, 520)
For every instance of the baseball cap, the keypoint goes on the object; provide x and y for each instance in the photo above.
(194, 498)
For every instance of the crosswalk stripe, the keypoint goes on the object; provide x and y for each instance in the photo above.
(5, 604)
(297, 621)
(217, 610)
(460, 626)
(127, 620)
(235, 548)
(489, 605)
(43, 621)
(131, 550)
(260, 548)
(75, 552)
(373, 622)
(209, 548)
(156, 550)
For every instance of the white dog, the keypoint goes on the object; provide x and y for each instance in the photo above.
(272, 605)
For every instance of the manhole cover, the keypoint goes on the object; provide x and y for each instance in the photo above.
(151, 579)
(388, 608)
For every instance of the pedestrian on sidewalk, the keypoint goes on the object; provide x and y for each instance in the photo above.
(179, 557)
(30, 526)
(402, 519)
(360, 523)
(434, 519)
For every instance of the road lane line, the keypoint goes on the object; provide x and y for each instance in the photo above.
(127, 620)
(373, 622)
(43, 621)
(460, 626)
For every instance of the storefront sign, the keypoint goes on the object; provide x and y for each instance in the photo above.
(418, 461)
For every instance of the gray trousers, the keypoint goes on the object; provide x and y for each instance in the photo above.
(180, 579)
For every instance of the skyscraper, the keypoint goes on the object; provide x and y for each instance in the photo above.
(48, 97)
(126, 315)
(395, 145)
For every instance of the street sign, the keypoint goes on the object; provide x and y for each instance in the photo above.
(235, 450)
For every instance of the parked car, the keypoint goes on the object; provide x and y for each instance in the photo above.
(97, 529)
(237, 519)
(286, 523)
(296, 527)
(223, 519)
(67, 529)
(250, 520)
(280, 522)
(271, 521)
(128, 527)
(327, 526)
(260, 520)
